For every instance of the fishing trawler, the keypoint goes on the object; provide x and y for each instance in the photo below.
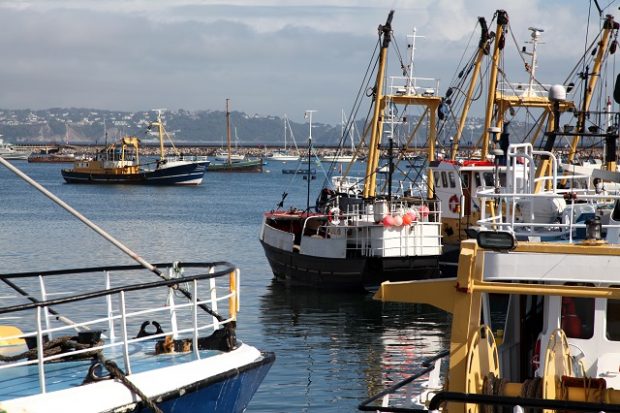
(120, 163)
(358, 236)
(555, 278)
(457, 179)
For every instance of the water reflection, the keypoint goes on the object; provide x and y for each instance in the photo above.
(349, 345)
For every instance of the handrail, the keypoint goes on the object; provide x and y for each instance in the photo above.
(552, 404)
(128, 310)
(101, 293)
(427, 364)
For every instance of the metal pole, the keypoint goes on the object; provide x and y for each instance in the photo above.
(81, 217)
(308, 115)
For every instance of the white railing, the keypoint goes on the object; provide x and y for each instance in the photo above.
(519, 208)
(415, 86)
(117, 307)
(364, 231)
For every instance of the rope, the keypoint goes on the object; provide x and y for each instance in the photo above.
(117, 373)
(58, 345)
(532, 389)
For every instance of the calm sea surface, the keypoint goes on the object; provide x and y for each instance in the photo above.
(332, 350)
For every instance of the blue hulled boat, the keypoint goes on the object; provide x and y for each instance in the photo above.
(120, 164)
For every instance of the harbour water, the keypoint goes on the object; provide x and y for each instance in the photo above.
(333, 350)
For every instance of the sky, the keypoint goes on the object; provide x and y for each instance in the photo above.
(269, 57)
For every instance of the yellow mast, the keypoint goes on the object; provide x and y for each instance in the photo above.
(482, 50)
(228, 131)
(370, 183)
(502, 21)
(160, 130)
(608, 28)
(381, 101)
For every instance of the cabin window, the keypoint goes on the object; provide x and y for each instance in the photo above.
(444, 179)
(436, 177)
(613, 319)
(452, 179)
(578, 317)
(488, 179)
(478, 181)
(465, 180)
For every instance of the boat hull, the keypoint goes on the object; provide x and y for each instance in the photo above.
(227, 392)
(198, 386)
(241, 166)
(186, 174)
(347, 274)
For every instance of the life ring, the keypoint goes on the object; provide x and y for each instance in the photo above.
(333, 215)
(454, 203)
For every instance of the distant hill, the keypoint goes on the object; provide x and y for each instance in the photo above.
(89, 126)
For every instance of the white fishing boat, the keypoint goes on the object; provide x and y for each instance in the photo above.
(131, 338)
(456, 179)
(357, 236)
(337, 158)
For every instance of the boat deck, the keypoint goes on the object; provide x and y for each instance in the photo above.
(22, 381)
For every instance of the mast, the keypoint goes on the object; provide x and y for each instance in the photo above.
(502, 21)
(534, 62)
(160, 131)
(608, 27)
(228, 131)
(410, 82)
(370, 183)
(483, 49)
(308, 115)
(284, 122)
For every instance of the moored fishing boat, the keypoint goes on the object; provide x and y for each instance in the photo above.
(132, 338)
(120, 164)
(457, 180)
(555, 278)
(355, 238)
(54, 155)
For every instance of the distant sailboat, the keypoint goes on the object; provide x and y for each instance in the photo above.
(284, 155)
(340, 156)
(227, 162)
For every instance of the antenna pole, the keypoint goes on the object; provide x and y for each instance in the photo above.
(308, 115)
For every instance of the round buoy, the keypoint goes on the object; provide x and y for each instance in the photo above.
(407, 219)
(423, 211)
(388, 221)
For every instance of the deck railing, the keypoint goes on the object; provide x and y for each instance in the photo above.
(107, 307)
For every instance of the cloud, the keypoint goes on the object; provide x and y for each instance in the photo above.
(269, 57)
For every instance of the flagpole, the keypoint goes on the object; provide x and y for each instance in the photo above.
(308, 115)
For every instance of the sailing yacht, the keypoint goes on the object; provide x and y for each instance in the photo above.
(284, 155)
(227, 161)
